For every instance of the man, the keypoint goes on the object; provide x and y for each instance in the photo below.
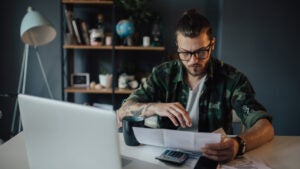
(199, 92)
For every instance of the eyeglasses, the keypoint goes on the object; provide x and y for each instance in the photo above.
(200, 54)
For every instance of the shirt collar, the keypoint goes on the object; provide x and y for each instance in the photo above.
(179, 75)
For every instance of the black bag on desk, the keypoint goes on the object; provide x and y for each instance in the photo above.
(205, 163)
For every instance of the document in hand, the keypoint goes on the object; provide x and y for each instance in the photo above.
(185, 140)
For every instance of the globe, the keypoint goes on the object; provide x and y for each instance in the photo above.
(124, 28)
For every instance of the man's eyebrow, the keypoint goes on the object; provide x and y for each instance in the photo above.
(202, 48)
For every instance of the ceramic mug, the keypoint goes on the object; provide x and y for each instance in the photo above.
(128, 122)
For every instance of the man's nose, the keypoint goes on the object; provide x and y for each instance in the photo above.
(194, 57)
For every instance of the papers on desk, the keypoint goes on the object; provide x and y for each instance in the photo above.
(190, 141)
(244, 162)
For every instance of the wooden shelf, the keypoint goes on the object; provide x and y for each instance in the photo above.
(148, 48)
(104, 2)
(154, 48)
(87, 47)
(97, 91)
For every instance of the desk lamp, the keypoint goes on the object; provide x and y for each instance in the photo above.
(35, 31)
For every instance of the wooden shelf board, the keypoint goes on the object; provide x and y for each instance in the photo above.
(87, 47)
(95, 91)
(157, 48)
(104, 2)
(123, 91)
(149, 48)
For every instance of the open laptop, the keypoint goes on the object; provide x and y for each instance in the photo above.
(61, 135)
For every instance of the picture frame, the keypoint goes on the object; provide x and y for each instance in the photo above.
(80, 79)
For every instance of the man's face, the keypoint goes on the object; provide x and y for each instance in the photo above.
(195, 52)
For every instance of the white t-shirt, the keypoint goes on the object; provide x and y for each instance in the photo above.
(192, 105)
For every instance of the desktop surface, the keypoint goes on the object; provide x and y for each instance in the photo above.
(281, 152)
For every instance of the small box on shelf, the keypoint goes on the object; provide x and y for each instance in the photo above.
(80, 80)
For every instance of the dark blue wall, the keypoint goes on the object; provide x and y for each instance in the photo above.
(261, 38)
(12, 47)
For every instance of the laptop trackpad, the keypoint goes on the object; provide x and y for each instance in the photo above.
(131, 163)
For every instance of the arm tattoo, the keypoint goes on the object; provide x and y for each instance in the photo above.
(137, 112)
(127, 106)
(147, 107)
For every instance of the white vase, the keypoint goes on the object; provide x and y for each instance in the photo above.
(122, 82)
(105, 80)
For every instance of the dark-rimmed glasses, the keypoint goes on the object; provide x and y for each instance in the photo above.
(199, 53)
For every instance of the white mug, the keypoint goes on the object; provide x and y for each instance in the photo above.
(108, 40)
(146, 41)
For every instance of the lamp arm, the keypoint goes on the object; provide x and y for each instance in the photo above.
(25, 68)
(21, 85)
(43, 71)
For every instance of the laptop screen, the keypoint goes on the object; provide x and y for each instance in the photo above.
(60, 135)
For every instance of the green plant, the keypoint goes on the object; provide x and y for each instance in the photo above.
(138, 11)
(103, 70)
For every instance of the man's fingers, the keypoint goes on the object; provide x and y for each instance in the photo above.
(172, 118)
(218, 146)
(218, 151)
(215, 158)
(178, 116)
(175, 112)
(186, 117)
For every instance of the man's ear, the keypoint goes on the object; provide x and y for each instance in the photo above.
(213, 42)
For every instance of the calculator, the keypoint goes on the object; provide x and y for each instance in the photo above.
(173, 156)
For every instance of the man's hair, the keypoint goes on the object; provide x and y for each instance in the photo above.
(192, 23)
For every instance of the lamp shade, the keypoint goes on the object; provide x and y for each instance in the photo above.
(35, 29)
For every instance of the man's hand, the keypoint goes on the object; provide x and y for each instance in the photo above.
(224, 151)
(174, 111)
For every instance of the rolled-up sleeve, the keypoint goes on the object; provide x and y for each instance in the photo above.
(246, 106)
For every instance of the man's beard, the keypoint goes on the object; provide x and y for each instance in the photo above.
(195, 70)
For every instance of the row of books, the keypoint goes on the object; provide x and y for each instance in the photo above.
(77, 28)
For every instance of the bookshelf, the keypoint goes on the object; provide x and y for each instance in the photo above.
(71, 50)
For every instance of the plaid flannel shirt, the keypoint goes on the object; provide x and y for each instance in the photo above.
(225, 89)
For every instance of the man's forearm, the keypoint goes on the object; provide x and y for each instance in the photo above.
(259, 134)
(130, 108)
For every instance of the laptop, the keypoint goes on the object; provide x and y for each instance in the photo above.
(62, 135)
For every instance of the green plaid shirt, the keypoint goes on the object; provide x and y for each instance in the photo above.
(225, 89)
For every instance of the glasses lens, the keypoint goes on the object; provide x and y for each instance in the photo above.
(184, 55)
(202, 54)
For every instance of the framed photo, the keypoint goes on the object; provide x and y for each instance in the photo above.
(80, 80)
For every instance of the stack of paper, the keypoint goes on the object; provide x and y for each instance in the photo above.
(190, 141)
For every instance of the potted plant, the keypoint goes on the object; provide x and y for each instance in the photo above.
(105, 79)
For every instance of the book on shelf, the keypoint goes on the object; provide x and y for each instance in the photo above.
(76, 23)
(85, 33)
(69, 17)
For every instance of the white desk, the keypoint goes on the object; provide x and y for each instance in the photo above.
(282, 152)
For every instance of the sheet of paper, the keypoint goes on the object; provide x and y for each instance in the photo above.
(244, 162)
(190, 141)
